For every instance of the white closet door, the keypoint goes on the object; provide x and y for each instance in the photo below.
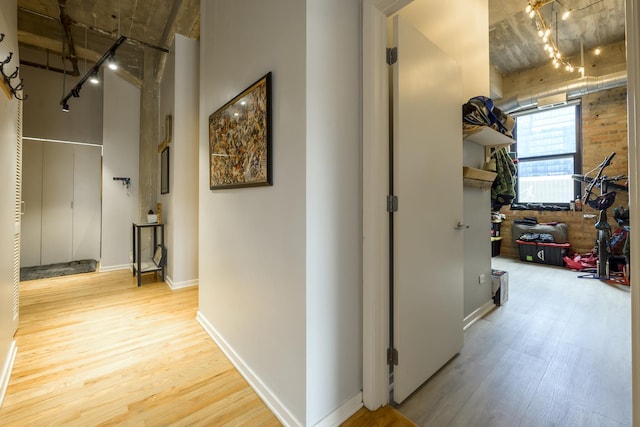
(31, 225)
(57, 203)
(427, 178)
(87, 203)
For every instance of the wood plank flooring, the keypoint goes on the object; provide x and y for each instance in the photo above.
(94, 349)
(558, 353)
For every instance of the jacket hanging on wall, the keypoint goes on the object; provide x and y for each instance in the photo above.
(503, 190)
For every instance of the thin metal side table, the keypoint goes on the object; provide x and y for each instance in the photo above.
(139, 266)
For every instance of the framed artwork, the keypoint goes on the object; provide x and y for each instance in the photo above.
(158, 256)
(164, 171)
(240, 139)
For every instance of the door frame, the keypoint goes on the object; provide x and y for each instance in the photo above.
(375, 131)
(633, 119)
(375, 225)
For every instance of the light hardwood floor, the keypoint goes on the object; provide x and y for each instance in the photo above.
(94, 349)
(558, 353)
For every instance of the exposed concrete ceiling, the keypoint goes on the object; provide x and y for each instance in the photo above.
(515, 45)
(92, 26)
(95, 24)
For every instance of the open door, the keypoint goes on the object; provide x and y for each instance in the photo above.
(427, 251)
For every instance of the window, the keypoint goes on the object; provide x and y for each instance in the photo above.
(548, 151)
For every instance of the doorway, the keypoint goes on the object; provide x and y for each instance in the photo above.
(375, 392)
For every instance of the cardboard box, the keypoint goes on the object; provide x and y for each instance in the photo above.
(499, 286)
(543, 253)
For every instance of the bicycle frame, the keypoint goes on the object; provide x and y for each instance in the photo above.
(602, 202)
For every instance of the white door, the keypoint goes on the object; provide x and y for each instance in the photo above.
(57, 203)
(87, 208)
(31, 225)
(427, 178)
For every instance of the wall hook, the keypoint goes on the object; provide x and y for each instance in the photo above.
(7, 60)
(126, 182)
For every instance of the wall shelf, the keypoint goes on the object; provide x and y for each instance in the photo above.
(477, 178)
(487, 137)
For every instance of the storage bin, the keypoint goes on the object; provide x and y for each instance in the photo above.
(499, 286)
(543, 253)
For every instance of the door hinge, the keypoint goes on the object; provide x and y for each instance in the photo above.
(392, 356)
(392, 203)
(392, 55)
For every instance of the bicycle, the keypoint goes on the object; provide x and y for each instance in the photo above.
(602, 202)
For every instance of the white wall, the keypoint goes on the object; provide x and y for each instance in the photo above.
(334, 216)
(460, 28)
(253, 240)
(184, 164)
(280, 267)
(121, 138)
(8, 226)
(43, 115)
(167, 107)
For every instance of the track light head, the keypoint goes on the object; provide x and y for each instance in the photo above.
(65, 107)
(112, 64)
(94, 79)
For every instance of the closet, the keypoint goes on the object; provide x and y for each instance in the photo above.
(61, 202)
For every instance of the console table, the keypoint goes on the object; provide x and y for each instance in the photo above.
(157, 260)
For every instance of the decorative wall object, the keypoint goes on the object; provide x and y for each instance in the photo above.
(167, 133)
(7, 79)
(240, 139)
(164, 171)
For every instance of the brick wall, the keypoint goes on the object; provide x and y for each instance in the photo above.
(604, 129)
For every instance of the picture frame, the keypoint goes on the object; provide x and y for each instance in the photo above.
(164, 171)
(240, 139)
(158, 256)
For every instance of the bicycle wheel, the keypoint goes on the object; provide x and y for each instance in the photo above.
(603, 254)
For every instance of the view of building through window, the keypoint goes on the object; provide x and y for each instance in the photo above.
(547, 151)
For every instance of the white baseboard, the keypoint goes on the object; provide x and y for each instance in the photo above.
(343, 413)
(6, 370)
(478, 314)
(270, 399)
(179, 285)
(104, 269)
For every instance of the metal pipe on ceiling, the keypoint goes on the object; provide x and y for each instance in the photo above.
(573, 88)
(66, 27)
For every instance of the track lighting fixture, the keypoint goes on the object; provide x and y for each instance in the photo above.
(94, 79)
(544, 32)
(112, 64)
(92, 74)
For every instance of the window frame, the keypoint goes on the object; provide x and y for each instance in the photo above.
(577, 156)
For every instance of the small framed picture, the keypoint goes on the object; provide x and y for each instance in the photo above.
(164, 171)
(158, 256)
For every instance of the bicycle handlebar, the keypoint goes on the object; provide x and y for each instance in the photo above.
(607, 161)
(598, 177)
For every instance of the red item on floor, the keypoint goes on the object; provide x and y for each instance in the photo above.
(581, 261)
